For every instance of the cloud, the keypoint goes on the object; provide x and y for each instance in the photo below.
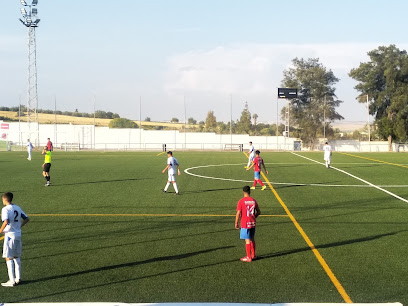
(252, 72)
(254, 68)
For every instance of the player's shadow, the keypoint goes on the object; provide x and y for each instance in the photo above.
(129, 264)
(153, 229)
(120, 282)
(211, 190)
(328, 245)
(104, 181)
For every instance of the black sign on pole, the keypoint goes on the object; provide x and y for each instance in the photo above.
(287, 93)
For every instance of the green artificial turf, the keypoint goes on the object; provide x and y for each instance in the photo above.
(104, 231)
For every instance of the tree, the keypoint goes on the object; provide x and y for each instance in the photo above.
(147, 119)
(316, 93)
(222, 128)
(385, 80)
(255, 117)
(174, 120)
(210, 122)
(122, 123)
(244, 123)
(191, 121)
(356, 135)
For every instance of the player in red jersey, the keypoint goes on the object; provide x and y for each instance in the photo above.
(248, 210)
(258, 163)
(50, 145)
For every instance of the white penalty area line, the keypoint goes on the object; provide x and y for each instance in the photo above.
(357, 178)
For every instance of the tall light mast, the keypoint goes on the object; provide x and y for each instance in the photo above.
(30, 20)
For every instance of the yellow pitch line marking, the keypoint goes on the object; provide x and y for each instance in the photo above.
(376, 160)
(160, 153)
(317, 254)
(141, 215)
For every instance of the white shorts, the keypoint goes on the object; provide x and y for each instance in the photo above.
(251, 157)
(172, 177)
(12, 247)
(327, 157)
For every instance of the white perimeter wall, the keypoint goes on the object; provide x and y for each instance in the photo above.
(104, 138)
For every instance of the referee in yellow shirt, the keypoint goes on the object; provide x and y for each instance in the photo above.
(47, 164)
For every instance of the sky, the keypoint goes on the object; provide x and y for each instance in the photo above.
(182, 58)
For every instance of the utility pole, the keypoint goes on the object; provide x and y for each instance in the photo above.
(368, 121)
(324, 118)
(231, 120)
(29, 11)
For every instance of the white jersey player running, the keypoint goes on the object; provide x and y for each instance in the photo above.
(13, 218)
(251, 154)
(327, 154)
(172, 165)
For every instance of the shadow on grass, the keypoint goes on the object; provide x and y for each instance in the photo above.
(211, 190)
(127, 280)
(129, 264)
(176, 257)
(328, 245)
(159, 229)
(106, 181)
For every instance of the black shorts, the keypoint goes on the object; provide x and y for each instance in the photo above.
(47, 167)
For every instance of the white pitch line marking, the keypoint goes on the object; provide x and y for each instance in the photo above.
(187, 171)
(357, 178)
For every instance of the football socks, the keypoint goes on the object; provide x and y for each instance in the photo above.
(167, 186)
(248, 250)
(10, 270)
(17, 266)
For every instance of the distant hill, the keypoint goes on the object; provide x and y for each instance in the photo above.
(61, 119)
(349, 126)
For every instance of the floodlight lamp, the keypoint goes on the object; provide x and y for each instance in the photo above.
(34, 12)
(23, 12)
(29, 20)
(22, 21)
(23, 2)
(35, 2)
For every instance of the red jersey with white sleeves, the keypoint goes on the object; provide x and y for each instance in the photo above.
(247, 208)
(258, 161)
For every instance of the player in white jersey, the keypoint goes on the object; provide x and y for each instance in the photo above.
(327, 154)
(251, 154)
(13, 218)
(29, 146)
(172, 165)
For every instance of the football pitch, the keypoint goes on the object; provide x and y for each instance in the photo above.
(104, 231)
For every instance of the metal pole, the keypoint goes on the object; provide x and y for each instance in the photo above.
(55, 123)
(368, 124)
(140, 122)
(185, 124)
(288, 118)
(277, 123)
(368, 120)
(94, 140)
(19, 120)
(231, 121)
(324, 118)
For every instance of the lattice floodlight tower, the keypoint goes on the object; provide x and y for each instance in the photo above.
(287, 93)
(30, 20)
